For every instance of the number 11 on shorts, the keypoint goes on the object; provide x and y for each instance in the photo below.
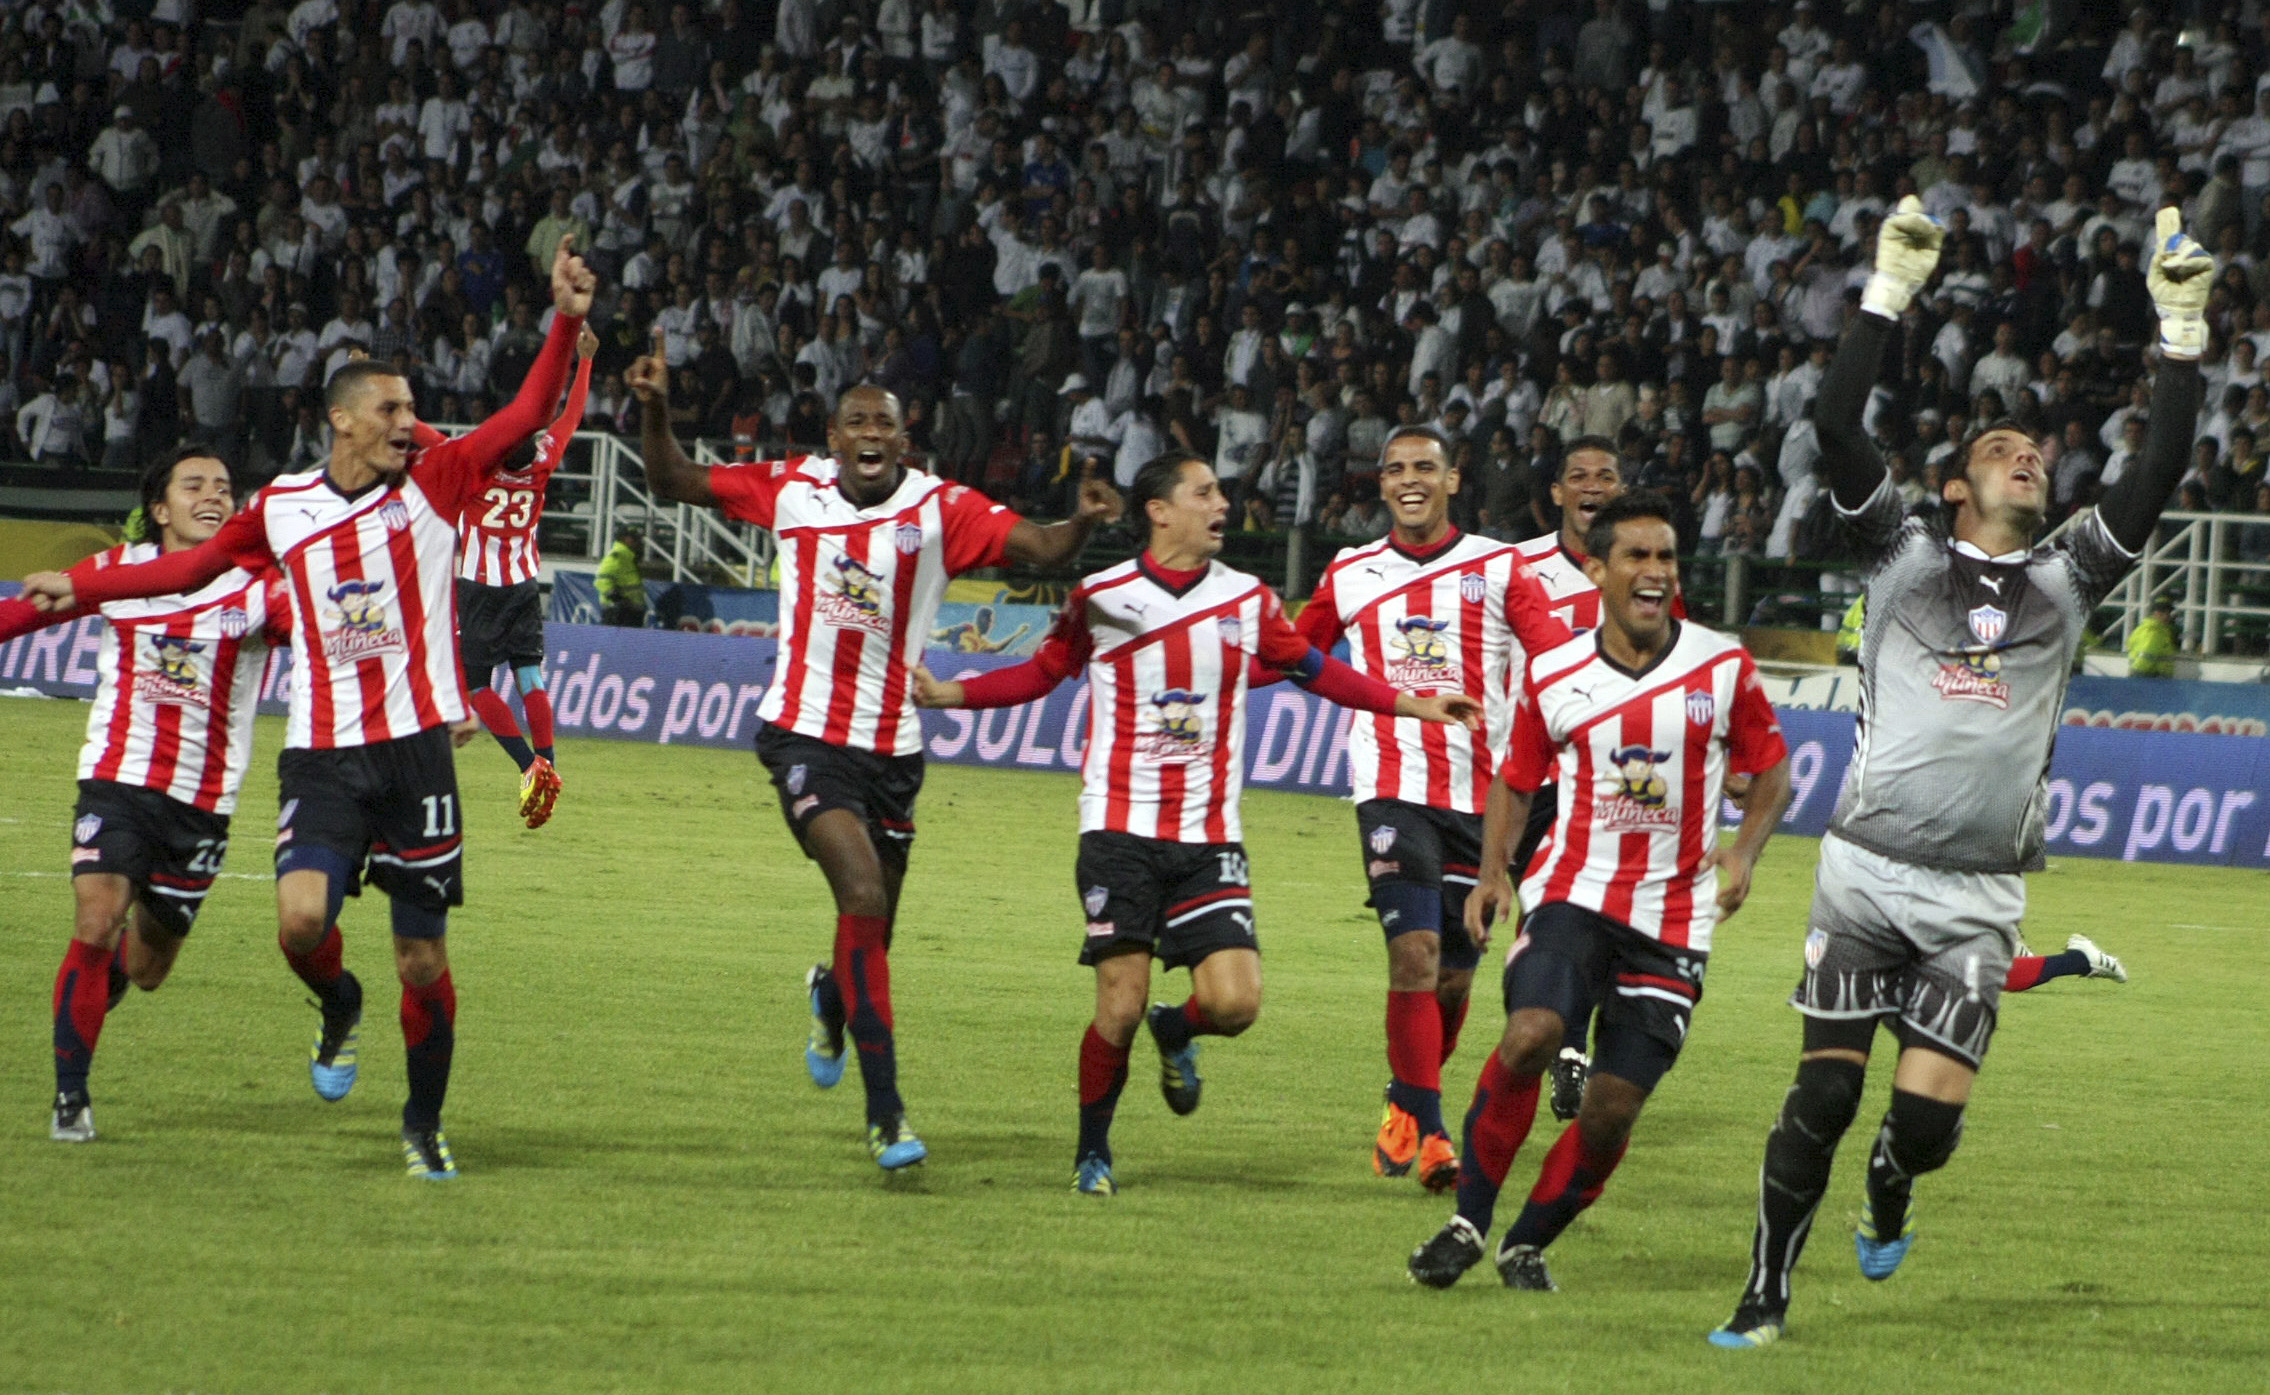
(441, 815)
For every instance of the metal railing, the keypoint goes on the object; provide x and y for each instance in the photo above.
(2222, 601)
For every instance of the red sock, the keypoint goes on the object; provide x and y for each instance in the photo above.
(1103, 1068)
(868, 984)
(1573, 1162)
(539, 706)
(429, 1034)
(1453, 1019)
(319, 968)
(1505, 1105)
(1414, 1045)
(494, 712)
(1200, 1024)
(2025, 972)
(82, 997)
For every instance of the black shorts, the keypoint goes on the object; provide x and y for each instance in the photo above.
(169, 850)
(1178, 902)
(498, 625)
(393, 803)
(813, 776)
(1575, 962)
(1544, 809)
(1421, 862)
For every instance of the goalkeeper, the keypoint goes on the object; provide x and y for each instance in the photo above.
(1972, 629)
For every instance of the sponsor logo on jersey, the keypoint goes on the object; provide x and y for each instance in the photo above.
(1975, 677)
(1701, 707)
(1816, 945)
(1422, 655)
(1641, 799)
(395, 515)
(851, 596)
(85, 830)
(1381, 867)
(358, 624)
(1472, 587)
(1233, 632)
(1988, 623)
(908, 536)
(803, 806)
(234, 622)
(80, 857)
(175, 679)
(1094, 898)
(796, 775)
(1381, 839)
(1181, 730)
(1102, 929)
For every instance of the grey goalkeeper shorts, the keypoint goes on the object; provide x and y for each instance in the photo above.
(1927, 947)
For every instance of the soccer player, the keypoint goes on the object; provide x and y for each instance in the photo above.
(167, 745)
(500, 612)
(1167, 640)
(1919, 889)
(368, 548)
(866, 546)
(1642, 719)
(1427, 609)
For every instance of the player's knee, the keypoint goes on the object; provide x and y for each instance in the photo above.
(1414, 961)
(1233, 1013)
(1922, 1132)
(1532, 1036)
(301, 928)
(1452, 986)
(1824, 1098)
(420, 960)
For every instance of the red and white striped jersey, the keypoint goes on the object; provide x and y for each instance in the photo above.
(1446, 621)
(1640, 759)
(1166, 694)
(372, 575)
(859, 590)
(179, 680)
(1575, 601)
(496, 539)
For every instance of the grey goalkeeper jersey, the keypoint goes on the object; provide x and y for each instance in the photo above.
(1963, 666)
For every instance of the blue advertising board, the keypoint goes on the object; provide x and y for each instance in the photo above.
(2156, 796)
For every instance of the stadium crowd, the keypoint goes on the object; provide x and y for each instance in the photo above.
(1267, 233)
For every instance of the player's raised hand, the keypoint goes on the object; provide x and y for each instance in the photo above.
(1907, 252)
(573, 283)
(1099, 500)
(1733, 867)
(1446, 708)
(2181, 275)
(930, 691)
(648, 377)
(50, 592)
(1491, 901)
(587, 343)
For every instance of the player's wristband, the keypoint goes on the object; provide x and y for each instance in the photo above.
(1887, 295)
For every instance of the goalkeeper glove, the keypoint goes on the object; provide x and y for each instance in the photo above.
(1907, 251)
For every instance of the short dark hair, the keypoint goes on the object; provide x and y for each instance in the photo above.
(1599, 443)
(1979, 433)
(156, 480)
(1158, 477)
(350, 378)
(1640, 503)
(1416, 433)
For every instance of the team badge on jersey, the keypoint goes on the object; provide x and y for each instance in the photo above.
(1382, 838)
(234, 622)
(796, 779)
(1233, 632)
(1094, 898)
(395, 515)
(1181, 730)
(909, 538)
(1988, 623)
(1641, 800)
(852, 596)
(86, 828)
(1472, 588)
(1816, 945)
(358, 624)
(1701, 707)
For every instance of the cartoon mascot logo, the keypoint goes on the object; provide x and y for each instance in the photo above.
(361, 631)
(175, 678)
(1641, 801)
(1181, 730)
(1421, 655)
(853, 596)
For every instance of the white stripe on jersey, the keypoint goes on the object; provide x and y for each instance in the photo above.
(1166, 702)
(1433, 625)
(374, 609)
(1640, 762)
(178, 681)
(1575, 600)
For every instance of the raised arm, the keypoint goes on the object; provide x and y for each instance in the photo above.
(1059, 544)
(242, 542)
(2179, 280)
(669, 474)
(1907, 252)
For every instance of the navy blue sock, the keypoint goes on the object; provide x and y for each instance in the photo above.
(429, 1032)
(1103, 1074)
(1421, 1104)
(2066, 965)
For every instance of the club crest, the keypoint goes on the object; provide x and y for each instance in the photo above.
(1816, 945)
(395, 515)
(234, 622)
(1233, 632)
(796, 779)
(1472, 588)
(86, 828)
(1094, 898)
(909, 538)
(1381, 839)
(1701, 707)
(1988, 623)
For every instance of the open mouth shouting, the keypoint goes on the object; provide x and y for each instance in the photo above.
(1651, 601)
(212, 513)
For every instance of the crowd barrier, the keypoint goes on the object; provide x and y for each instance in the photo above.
(2142, 795)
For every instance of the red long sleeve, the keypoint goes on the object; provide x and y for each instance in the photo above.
(20, 617)
(242, 542)
(1013, 686)
(448, 472)
(1336, 682)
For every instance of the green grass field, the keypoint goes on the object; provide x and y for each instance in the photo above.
(655, 1199)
